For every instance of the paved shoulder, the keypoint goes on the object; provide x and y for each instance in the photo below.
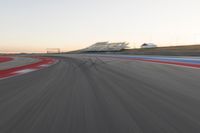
(17, 61)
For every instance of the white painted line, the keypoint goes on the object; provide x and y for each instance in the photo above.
(25, 71)
(45, 65)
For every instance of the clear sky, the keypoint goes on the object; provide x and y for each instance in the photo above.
(34, 25)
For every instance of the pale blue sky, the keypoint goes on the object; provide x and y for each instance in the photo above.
(34, 25)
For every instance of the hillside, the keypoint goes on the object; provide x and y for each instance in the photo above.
(188, 50)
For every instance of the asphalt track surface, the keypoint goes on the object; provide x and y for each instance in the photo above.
(98, 95)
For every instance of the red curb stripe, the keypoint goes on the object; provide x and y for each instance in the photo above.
(166, 62)
(172, 63)
(5, 59)
(37, 65)
(162, 62)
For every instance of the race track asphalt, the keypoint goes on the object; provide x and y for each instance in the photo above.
(98, 95)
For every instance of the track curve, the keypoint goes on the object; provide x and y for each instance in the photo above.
(94, 95)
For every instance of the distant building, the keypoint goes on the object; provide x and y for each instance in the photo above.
(148, 45)
(106, 47)
(53, 50)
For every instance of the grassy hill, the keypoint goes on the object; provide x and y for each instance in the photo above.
(187, 50)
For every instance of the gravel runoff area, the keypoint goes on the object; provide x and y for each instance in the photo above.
(17, 61)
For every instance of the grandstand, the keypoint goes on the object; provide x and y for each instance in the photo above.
(106, 47)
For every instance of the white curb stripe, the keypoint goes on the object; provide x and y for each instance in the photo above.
(25, 71)
(45, 65)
